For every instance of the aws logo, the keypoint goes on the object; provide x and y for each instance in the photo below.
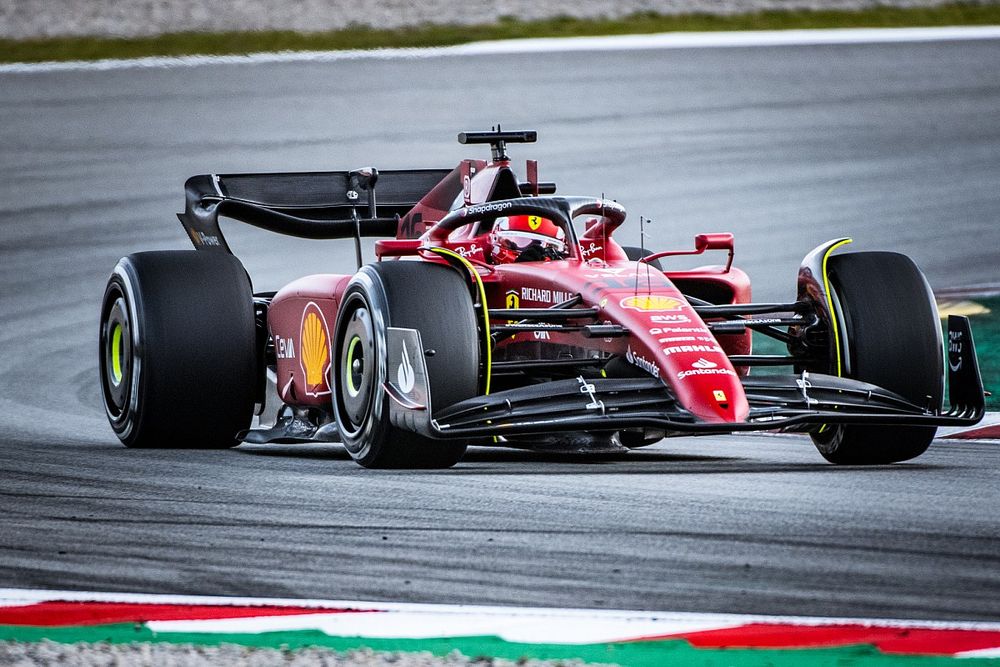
(314, 350)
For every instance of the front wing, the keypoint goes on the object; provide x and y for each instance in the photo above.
(785, 402)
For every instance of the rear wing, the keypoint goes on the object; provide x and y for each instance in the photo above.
(311, 205)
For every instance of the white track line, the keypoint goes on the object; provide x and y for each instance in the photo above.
(989, 419)
(670, 40)
(16, 597)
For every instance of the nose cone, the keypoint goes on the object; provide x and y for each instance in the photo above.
(715, 399)
(678, 348)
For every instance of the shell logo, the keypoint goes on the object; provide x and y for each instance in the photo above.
(314, 346)
(650, 302)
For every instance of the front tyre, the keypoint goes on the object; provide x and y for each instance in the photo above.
(432, 299)
(890, 336)
(178, 360)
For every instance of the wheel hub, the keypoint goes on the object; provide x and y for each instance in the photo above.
(116, 341)
(357, 374)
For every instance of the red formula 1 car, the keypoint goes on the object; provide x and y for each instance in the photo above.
(498, 313)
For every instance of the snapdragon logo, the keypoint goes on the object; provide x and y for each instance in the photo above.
(493, 207)
(641, 362)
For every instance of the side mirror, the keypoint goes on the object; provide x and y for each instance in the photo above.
(714, 241)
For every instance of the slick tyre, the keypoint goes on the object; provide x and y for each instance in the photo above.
(890, 336)
(432, 299)
(178, 360)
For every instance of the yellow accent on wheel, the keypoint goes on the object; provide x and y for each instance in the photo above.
(829, 304)
(486, 310)
(351, 389)
(116, 354)
(833, 314)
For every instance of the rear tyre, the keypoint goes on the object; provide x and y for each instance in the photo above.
(178, 364)
(890, 336)
(634, 254)
(432, 299)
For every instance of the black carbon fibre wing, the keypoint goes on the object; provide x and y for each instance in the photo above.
(312, 205)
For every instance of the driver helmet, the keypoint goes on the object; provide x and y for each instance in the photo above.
(526, 238)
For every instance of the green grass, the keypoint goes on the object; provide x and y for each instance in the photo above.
(985, 331)
(360, 37)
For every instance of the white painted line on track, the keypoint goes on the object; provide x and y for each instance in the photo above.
(989, 419)
(420, 624)
(670, 40)
(19, 597)
(982, 653)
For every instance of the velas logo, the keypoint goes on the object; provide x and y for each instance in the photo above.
(314, 350)
(650, 302)
(404, 374)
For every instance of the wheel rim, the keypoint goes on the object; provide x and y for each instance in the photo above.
(355, 367)
(117, 354)
(357, 373)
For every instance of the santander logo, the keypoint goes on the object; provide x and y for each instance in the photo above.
(643, 363)
(704, 367)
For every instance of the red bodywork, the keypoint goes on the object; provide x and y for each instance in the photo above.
(667, 338)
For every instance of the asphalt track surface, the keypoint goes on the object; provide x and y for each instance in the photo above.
(896, 145)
